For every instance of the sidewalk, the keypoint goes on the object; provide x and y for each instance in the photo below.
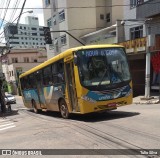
(141, 100)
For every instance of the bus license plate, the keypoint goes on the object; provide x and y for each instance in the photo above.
(112, 105)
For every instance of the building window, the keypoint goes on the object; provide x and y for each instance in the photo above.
(136, 32)
(33, 28)
(34, 34)
(40, 29)
(63, 40)
(49, 22)
(26, 59)
(14, 42)
(61, 16)
(134, 3)
(108, 17)
(14, 60)
(47, 2)
(13, 37)
(102, 16)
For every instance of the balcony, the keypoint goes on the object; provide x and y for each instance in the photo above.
(148, 9)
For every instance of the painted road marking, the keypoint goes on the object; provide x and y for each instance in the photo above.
(6, 124)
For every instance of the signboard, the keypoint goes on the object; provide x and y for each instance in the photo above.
(134, 46)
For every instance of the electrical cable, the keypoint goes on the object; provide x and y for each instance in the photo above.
(104, 6)
(5, 13)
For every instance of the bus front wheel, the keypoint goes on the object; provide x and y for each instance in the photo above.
(34, 107)
(63, 109)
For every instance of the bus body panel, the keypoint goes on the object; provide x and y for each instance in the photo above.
(93, 101)
(50, 97)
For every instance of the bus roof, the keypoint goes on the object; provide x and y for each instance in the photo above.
(64, 54)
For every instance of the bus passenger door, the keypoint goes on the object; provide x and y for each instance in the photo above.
(40, 90)
(70, 81)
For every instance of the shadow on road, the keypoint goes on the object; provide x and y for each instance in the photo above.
(94, 117)
(105, 116)
(9, 113)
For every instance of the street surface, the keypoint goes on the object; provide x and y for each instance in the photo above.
(128, 127)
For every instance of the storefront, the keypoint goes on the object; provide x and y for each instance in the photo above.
(136, 50)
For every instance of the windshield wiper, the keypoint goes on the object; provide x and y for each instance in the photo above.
(102, 77)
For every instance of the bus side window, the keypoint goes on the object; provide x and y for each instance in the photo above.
(29, 84)
(60, 71)
(22, 83)
(32, 81)
(54, 73)
(47, 76)
(38, 76)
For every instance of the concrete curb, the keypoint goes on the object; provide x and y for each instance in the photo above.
(139, 100)
(147, 102)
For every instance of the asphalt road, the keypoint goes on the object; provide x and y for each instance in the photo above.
(128, 127)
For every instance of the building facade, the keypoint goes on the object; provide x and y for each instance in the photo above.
(29, 35)
(79, 18)
(142, 42)
(20, 60)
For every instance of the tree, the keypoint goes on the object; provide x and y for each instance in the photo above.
(2, 99)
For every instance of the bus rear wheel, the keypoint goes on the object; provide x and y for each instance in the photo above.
(34, 107)
(63, 109)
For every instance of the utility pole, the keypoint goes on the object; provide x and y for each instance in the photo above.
(147, 74)
(2, 100)
(150, 42)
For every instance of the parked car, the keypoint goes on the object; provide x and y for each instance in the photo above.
(10, 99)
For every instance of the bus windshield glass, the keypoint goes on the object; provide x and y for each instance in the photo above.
(103, 66)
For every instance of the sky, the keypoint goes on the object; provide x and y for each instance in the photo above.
(9, 16)
(36, 12)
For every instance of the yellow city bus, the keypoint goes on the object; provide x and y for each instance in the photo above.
(79, 80)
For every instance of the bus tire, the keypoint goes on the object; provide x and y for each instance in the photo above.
(63, 109)
(34, 107)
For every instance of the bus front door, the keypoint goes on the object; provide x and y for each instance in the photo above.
(70, 78)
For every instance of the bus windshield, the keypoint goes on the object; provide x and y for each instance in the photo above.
(104, 66)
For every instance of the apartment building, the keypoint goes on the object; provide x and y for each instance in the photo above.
(20, 60)
(29, 35)
(150, 10)
(79, 18)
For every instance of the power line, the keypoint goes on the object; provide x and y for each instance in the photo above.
(21, 12)
(76, 7)
(5, 13)
(1, 4)
(16, 4)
